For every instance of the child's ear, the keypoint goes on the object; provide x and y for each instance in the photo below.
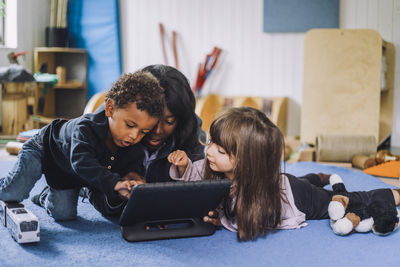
(109, 108)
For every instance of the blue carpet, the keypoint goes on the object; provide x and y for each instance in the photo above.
(94, 240)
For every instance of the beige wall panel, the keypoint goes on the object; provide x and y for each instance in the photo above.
(341, 87)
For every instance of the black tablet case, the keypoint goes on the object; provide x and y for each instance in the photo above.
(180, 205)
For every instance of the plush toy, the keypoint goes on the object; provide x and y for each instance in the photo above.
(348, 213)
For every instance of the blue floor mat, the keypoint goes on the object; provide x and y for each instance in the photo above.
(92, 240)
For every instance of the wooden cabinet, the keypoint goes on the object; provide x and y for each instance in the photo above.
(16, 106)
(348, 84)
(67, 99)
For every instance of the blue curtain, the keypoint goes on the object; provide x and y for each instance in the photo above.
(94, 26)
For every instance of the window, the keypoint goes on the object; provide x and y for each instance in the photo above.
(2, 20)
(29, 226)
(19, 211)
(8, 23)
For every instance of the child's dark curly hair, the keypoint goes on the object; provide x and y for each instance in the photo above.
(141, 88)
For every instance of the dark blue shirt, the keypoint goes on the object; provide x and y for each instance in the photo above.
(158, 169)
(76, 155)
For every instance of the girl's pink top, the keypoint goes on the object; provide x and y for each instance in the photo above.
(291, 217)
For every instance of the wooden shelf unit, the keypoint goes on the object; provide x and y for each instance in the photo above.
(66, 100)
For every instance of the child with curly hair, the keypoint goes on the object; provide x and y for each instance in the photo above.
(92, 150)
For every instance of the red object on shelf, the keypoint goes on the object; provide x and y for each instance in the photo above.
(13, 56)
(206, 68)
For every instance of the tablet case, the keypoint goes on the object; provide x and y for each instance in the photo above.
(179, 205)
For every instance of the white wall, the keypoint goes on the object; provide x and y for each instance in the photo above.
(32, 19)
(255, 63)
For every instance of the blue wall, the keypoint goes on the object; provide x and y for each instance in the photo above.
(94, 26)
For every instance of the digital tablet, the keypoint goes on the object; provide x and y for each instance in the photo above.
(171, 209)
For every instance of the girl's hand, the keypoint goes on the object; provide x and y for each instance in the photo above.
(212, 218)
(179, 159)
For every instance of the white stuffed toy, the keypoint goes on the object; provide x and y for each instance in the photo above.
(348, 213)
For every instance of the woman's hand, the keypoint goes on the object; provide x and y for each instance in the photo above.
(124, 188)
(180, 160)
(212, 218)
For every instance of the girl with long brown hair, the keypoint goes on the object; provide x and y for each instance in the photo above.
(246, 147)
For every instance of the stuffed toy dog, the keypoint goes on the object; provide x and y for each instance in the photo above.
(348, 213)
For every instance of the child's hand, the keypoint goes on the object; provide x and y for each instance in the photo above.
(212, 218)
(179, 159)
(135, 177)
(124, 187)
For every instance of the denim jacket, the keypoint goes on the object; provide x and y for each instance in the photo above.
(75, 154)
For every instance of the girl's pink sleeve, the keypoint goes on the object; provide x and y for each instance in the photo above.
(194, 171)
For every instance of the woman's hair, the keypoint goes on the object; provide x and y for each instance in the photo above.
(180, 101)
(141, 88)
(257, 144)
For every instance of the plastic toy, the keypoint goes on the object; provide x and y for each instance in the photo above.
(22, 224)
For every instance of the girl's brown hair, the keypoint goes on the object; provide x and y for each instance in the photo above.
(257, 144)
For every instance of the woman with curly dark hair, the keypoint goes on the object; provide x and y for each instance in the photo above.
(179, 128)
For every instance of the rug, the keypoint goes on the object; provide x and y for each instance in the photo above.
(93, 240)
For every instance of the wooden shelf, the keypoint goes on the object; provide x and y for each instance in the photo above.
(74, 85)
(32, 105)
(59, 50)
(70, 85)
(42, 119)
(68, 99)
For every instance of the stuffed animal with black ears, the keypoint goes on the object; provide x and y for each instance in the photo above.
(348, 213)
